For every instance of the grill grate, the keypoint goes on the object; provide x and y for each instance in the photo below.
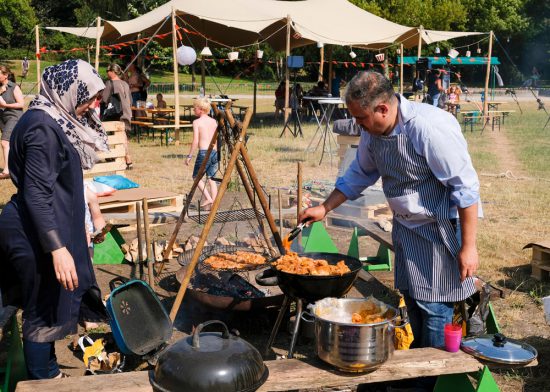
(239, 215)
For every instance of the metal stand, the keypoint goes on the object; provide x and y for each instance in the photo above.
(295, 329)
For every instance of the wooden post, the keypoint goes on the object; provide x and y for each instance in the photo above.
(329, 69)
(37, 56)
(486, 90)
(255, 83)
(299, 198)
(419, 49)
(140, 244)
(176, 77)
(208, 225)
(150, 261)
(401, 70)
(321, 63)
(203, 75)
(280, 200)
(97, 43)
(287, 71)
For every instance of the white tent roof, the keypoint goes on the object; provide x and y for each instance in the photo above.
(243, 22)
(85, 32)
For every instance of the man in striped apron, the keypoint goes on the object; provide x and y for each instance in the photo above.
(432, 189)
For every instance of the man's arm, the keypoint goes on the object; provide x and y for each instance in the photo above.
(317, 213)
(194, 143)
(468, 259)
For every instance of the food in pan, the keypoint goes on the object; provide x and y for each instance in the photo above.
(369, 313)
(238, 260)
(293, 264)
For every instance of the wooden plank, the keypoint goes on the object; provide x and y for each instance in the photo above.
(117, 151)
(287, 374)
(106, 167)
(365, 225)
(114, 126)
(117, 138)
(345, 139)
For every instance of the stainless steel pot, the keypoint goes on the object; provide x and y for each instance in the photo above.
(354, 347)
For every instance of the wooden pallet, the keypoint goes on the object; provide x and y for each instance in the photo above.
(540, 261)
(345, 142)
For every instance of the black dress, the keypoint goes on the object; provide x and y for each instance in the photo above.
(46, 213)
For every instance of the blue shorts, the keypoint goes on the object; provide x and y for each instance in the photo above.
(211, 165)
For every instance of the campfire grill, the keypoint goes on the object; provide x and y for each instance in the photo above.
(234, 289)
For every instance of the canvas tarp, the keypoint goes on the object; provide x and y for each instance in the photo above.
(84, 32)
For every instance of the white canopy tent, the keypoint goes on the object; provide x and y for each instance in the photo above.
(281, 24)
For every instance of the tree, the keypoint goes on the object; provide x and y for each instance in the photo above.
(17, 19)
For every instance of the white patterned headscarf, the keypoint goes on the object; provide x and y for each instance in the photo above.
(64, 87)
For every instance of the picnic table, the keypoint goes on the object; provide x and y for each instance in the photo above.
(493, 105)
(161, 119)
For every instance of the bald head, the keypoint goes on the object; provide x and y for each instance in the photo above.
(369, 89)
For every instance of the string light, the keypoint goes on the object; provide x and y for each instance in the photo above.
(437, 50)
(352, 54)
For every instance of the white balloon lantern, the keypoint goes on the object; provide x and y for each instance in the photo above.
(186, 55)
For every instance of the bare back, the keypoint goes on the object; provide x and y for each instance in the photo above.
(203, 130)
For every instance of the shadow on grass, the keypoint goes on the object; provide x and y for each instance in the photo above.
(173, 156)
(519, 279)
(292, 160)
(288, 149)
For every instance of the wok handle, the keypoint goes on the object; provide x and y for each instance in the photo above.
(404, 317)
(267, 277)
(118, 281)
(196, 334)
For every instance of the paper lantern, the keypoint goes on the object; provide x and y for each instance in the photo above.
(259, 54)
(232, 56)
(320, 45)
(453, 53)
(352, 54)
(379, 56)
(186, 55)
(437, 50)
(478, 50)
(398, 51)
(468, 53)
(206, 51)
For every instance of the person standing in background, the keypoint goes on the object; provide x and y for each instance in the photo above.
(115, 85)
(11, 109)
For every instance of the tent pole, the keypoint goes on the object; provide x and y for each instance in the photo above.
(203, 75)
(322, 63)
(420, 31)
(255, 83)
(287, 71)
(329, 69)
(401, 70)
(176, 78)
(486, 91)
(97, 42)
(37, 41)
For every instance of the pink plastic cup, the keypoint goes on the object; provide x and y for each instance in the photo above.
(453, 337)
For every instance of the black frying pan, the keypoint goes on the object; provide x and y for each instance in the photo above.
(313, 287)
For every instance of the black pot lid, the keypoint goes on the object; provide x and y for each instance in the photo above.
(209, 361)
(500, 349)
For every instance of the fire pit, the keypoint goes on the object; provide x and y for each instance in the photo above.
(228, 289)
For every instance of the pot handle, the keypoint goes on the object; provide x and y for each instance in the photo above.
(404, 318)
(200, 327)
(118, 281)
(267, 277)
(306, 317)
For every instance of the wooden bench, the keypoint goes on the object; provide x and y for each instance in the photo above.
(124, 200)
(294, 374)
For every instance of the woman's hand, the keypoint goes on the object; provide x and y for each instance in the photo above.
(188, 160)
(2, 103)
(65, 270)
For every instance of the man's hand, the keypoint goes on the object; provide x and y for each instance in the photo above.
(65, 271)
(313, 214)
(468, 262)
(187, 161)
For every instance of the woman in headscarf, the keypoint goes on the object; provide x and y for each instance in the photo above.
(45, 266)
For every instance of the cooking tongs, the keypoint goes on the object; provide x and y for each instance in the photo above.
(297, 230)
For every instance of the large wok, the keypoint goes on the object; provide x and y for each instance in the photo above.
(310, 287)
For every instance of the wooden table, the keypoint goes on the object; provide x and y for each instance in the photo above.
(288, 374)
(493, 105)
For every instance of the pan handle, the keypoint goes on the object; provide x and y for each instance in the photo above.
(307, 317)
(196, 334)
(267, 277)
(118, 281)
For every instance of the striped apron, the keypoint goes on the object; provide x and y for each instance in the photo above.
(424, 239)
